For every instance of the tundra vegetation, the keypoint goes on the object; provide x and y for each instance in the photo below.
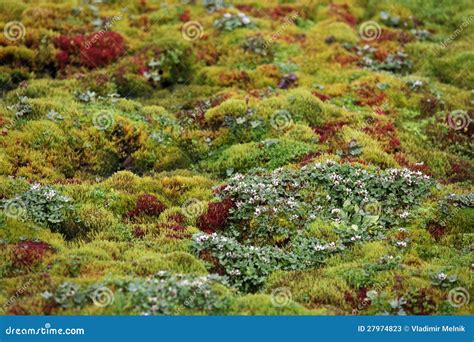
(254, 158)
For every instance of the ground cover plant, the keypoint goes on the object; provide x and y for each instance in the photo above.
(236, 158)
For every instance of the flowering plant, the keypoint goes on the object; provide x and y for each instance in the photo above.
(230, 22)
(42, 204)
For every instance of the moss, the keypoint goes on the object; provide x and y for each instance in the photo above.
(314, 288)
(260, 304)
(454, 69)
(371, 149)
(232, 108)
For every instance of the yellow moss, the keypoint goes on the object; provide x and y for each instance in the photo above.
(232, 108)
(371, 149)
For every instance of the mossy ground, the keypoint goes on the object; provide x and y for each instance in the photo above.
(124, 126)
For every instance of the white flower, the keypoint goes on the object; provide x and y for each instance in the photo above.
(442, 276)
(35, 186)
(227, 15)
(402, 244)
(404, 214)
(246, 20)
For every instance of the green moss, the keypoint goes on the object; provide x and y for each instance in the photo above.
(260, 304)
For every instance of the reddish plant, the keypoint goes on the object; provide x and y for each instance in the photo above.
(369, 96)
(344, 59)
(147, 205)
(341, 11)
(460, 171)
(178, 218)
(436, 230)
(138, 232)
(321, 96)
(386, 133)
(400, 158)
(185, 16)
(280, 12)
(174, 230)
(420, 302)
(216, 266)
(29, 253)
(95, 50)
(308, 158)
(401, 37)
(328, 130)
(428, 105)
(216, 216)
(358, 300)
(234, 77)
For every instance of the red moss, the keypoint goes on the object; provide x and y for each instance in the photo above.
(436, 230)
(185, 16)
(460, 171)
(234, 77)
(401, 37)
(178, 218)
(29, 253)
(420, 302)
(358, 300)
(216, 216)
(341, 11)
(369, 96)
(321, 96)
(279, 12)
(95, 50)
(400, 158)
(138, 232)
(386, 133)
(345, 59)
(174, 231)
(308, 158)
(216, 266)
(328, 130)
(147, 205)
